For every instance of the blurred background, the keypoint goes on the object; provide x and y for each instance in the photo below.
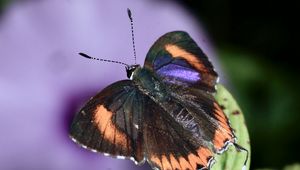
(43, 82)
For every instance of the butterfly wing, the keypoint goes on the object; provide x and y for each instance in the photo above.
(204, 107)
(176, 59)
(110, 121)
(169, 146)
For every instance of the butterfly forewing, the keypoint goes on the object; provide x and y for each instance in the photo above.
(108, 122)
(177, 59)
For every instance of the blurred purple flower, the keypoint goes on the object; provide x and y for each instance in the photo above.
(43, 81)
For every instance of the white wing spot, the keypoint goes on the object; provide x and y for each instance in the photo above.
(120, 157)
(136, 126)
(132, 158)
(93, 150)
(106, 154)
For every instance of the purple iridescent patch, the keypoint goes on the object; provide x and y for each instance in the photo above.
(173, 71)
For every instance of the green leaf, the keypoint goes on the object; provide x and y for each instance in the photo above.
(232, 159)
(295, 166)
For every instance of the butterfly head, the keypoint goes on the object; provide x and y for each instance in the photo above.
(131, 69)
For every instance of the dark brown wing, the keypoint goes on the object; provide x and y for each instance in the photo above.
(204, 107)
(169, 146)
(111, 122)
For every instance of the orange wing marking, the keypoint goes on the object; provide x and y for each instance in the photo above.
(109, 131)
(156, 161)
(221, 117)
(185, 164)
(189, 163)
(178, 52)
(194, 160)
(175, 164)
(166, 164)
(204, 154)
(224, 132)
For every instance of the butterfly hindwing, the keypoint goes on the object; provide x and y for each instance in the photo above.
(169, 146)
(210, 115)
(176, 59)
(108, 122)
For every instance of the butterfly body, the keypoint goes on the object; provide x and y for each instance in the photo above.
(164, 114)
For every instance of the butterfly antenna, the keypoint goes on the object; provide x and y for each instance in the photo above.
(100, 59)
(239, 148)
(132, 33)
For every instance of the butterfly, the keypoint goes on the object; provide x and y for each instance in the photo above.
(164, 113)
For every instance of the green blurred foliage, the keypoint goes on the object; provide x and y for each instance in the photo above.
(292, 167)
(3, 3)
(288, 167)
(267, 97)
